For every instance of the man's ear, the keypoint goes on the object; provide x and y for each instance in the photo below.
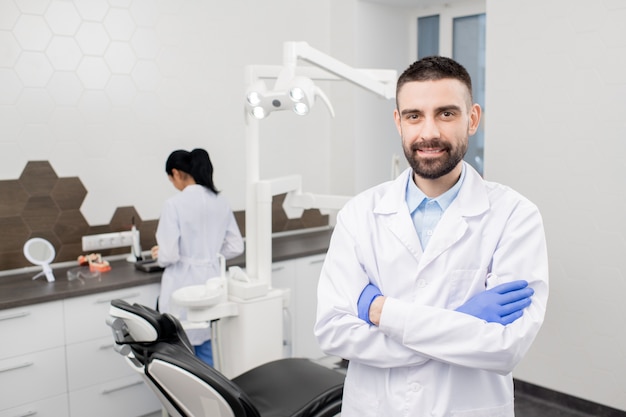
(474, 118)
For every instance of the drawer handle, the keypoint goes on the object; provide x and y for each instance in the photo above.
(15, 315)
(317, 261)
(278, 268)
(27, 414)
(121, 387)
(108, 300)
(106, 347)
(20, 366)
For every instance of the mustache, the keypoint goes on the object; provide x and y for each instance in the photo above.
(429, 144)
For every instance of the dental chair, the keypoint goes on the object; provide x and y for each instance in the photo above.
(156, 345)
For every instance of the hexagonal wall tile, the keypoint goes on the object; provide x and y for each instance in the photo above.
(119, 24)
(65, 88)
(92, 38)
(10, 85)
(63, 18)
(120, 57)
(33, 6)
(10, 14)
(35, 105)
(38, 178)
(32, 32)
(93, 72)
(13, 197)
(9, 49)
(69, 193)
(34, 69)
(40, 213)
(13, 230)
(93, 10)
(145, 42)
(64, 53)
(121, 90)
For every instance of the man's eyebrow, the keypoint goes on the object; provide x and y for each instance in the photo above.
(448, 107)
(410, 111)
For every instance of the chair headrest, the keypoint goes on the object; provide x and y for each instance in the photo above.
(141, 324)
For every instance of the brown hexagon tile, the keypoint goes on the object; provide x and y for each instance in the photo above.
(40, 213)
(38, 178)
(69, 193)
(313, 218)
(70, 227)
(13, 259)
(50, 237)
(14, 233)
(13, 197)
(123, 219)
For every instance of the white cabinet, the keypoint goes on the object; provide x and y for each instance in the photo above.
(100, 382)
(300, 276)
(32, 359)
(57, 360)
(49, 407)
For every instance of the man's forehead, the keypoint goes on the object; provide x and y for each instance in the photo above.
(434, 92)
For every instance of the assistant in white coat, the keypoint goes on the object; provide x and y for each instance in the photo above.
(423, 358)
(195, 225)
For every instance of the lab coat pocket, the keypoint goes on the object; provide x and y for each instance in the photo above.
(464, 283)
(501, 411)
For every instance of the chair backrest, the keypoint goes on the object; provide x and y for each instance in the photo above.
(184, 384)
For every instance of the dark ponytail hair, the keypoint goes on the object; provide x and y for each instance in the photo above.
(196, 163)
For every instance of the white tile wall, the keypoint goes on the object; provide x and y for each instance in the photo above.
(106, 89)
(556, 99)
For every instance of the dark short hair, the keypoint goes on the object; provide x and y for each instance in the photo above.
(433, 68)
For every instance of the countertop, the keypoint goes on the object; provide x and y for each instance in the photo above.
(19, 289)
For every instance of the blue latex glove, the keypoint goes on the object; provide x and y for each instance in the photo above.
(502, 304)
(369, 293)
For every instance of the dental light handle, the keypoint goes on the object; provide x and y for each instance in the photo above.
(319, 93)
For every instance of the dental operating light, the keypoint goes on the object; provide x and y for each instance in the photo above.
(297, 94)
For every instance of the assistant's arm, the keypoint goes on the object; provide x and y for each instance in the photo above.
(168, 236)
(233, 242)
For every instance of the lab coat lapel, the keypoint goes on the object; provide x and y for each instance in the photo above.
(471, 201)
(395, 215)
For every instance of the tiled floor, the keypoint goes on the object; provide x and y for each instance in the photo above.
(528, 406)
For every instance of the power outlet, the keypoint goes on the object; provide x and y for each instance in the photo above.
(107, 241)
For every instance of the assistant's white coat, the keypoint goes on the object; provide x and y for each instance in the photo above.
(426, 358)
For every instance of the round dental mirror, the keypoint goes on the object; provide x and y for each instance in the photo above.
(39, 251)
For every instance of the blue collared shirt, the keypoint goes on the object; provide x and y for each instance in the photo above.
(426, 212)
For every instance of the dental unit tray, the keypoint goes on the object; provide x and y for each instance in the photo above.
(148, 265)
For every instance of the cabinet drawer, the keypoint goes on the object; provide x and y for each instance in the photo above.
(50, 407)
(94, 362)
(32, 377)
(125, 397)
(31, 328)
(85, 317)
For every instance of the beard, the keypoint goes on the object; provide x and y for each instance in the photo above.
(433, 168)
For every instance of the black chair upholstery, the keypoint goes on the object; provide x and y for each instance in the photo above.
(291, 387)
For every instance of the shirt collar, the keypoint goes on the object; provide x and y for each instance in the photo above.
(415, 196)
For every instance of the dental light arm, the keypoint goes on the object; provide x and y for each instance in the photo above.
(293, 89)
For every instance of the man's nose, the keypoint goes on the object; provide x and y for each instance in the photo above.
(430, 129)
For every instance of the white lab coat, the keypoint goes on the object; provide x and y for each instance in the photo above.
(195, 225)
(425, 359)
